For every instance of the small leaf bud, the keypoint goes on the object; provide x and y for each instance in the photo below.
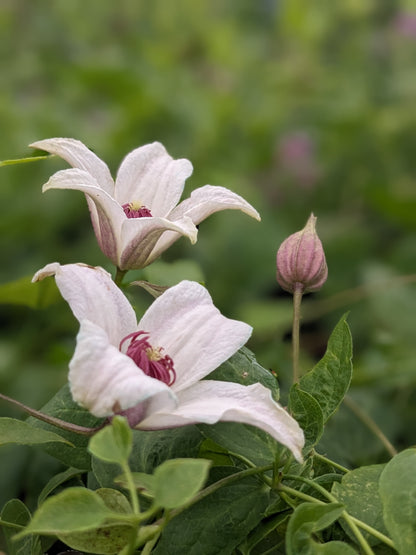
(301, 260)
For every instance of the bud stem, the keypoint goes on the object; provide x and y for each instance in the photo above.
(297, 300)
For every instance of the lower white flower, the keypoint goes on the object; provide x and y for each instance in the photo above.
(152, 372)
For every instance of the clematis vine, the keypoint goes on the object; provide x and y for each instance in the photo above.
(152, 371)
(137, 216)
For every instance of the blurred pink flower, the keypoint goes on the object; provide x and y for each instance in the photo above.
(296, 157)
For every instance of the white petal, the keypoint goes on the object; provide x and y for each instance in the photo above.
(104, 380)
(202, 203)
(209, 199)
(139, 236)
(108, 216)
(92, 295)
(212, 401)
(79, 156)
(149, 175)
(192, 331)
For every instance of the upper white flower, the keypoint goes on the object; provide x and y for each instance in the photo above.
(152, 371)
(137, 216)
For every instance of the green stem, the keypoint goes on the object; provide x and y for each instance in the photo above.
(329, 462)
(118, 278)
(297, 300)
(132, 489)
(217, 485)
(371, 425)
(10, 524)
(82, 430)
(352, 521)
(24, 160)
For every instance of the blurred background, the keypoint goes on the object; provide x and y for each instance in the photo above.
(298, 106)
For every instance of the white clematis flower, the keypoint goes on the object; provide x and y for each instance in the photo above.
(137, 216)
(152, 371)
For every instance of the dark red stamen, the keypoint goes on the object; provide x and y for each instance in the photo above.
(150, 359)
(131, 211)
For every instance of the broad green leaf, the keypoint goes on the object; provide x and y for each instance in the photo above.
(398, 495)
(243, 439)
(243, 368)
(308, 519)
(218, 523)
(63, 406)
(177, 481)
(109, 538)
(113, 443)
(307, 411)
(73, 510)
(58, 480)
(17, 431)
(150, 449)
(359, 492)
(34, 295)
(330, 379)
(16, 512)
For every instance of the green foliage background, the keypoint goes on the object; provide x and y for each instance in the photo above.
(298, 106)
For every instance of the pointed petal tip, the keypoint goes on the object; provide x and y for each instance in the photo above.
(46, 271)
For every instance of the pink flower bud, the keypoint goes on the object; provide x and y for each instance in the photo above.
(301, 260)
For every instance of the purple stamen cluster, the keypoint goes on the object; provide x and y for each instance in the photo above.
(148, 358)
(132, 212)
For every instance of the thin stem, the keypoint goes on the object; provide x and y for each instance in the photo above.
(132, 489)
(118, 279)
(329, 462)
(297, 300)
(351, 520)
(81, 430)
(371, 425)
(217, 485)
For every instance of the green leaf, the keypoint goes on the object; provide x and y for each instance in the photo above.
(17, 431)
(58, 480)
(330, 379)
(73, 510)
(177, 481)
(113, 443)
(16, 512)
(359, 492)
(106, 539)
(306, 521)
(218, 523)
(250, 442)
(23, 292)
(307, 411)
(243, 368)
(64, 407)
(398, 495)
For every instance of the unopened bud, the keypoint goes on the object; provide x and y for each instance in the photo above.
(301, 260)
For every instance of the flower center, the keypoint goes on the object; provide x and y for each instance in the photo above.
(136, 209)
(150, 359)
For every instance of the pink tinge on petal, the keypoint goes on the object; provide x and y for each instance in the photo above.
(150, 359)
(131, 211)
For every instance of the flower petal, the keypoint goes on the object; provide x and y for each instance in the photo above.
(192, 331)
(104, 380)
(92, 295)
(209, 199)
(149, 175)
(139, 236)
(202, 203)
(106, 214)
(212, 401)
(79, 156)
